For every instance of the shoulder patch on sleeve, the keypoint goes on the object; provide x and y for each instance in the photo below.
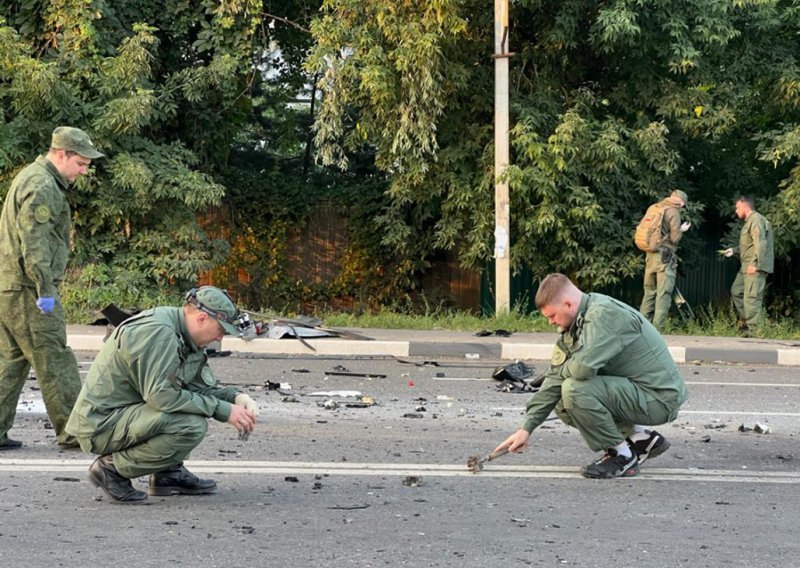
(42, 213)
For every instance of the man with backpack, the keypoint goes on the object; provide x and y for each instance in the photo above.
(657, 235)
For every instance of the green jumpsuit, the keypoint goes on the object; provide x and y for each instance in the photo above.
(34, 249)
(148, 395)
(755, 249)
(660, 270)
(609, 371)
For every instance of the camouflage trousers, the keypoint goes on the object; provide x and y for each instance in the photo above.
(144, 440)
(659, 282)
(747, 293)
(605, 408)
(29, 337)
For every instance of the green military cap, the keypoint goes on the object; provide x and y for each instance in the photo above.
(682, 195)
(74, 140)
(218, 304)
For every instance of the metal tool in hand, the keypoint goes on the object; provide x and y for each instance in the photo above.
(475, 463)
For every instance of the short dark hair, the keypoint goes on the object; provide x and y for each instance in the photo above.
(550, 289)
(67, 153)
(747, 200)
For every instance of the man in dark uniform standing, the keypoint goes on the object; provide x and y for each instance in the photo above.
(34, 249)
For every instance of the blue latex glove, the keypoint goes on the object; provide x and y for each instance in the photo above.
(46, 305)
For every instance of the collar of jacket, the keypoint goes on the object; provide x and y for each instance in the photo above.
(672, 202)
(184, 330)
(577, 326)
(51, 168)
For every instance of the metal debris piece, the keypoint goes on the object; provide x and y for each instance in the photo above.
(475, 463)
(281, 388)
(291, 479)
(348, 507)
(412, 415)
(412, 481)
(290, 398)
(328, 404)
(244, 435)
(59, 478)
(349, 374)
(341, 393)
(300, 371)
(758, 428)
(761, 428)
(363, 402)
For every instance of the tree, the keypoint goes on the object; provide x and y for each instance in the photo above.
(163, 100)
(614, 104)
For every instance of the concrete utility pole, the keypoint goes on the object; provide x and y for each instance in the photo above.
(502, 235)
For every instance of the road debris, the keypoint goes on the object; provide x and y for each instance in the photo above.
(412, 415)
(350, 374)
(517, 377)
(328, 404)
(412, 481)
(339, 393)
(362, 402)
(475, 463)
(758, 428)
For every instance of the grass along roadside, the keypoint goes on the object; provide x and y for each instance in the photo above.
(708, 322)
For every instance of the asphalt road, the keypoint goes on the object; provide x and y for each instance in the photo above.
(387, 485)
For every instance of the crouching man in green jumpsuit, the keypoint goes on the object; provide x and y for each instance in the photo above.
(610, 374)
(145, 403)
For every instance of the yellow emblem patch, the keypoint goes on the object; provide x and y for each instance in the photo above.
(558, 357)
(42, 213)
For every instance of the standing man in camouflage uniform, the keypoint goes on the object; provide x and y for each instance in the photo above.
(610, 373)
(34, 248)
(148, 396)
(757, 256)
(660, 269)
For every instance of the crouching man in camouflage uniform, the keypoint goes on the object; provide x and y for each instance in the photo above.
(610, 374)
(145, 403)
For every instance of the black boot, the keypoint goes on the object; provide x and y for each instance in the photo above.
(9, 444)
(178, 480)
(104, 475)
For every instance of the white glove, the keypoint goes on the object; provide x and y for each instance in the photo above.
(728, 252)
(685, 226)
(246, 401)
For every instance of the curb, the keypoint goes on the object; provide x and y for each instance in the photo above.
(460, 350)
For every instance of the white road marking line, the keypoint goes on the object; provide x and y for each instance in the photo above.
(430, 470)
(744, 384)
(521, 408)
(740, 413)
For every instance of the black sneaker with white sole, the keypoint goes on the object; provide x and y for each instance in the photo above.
(611, 465)
(650, 447)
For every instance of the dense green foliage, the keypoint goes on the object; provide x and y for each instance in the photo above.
(613, 104)
(162, 101)
(226, 124)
